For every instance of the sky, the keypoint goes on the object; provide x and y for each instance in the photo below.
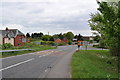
(53, 16)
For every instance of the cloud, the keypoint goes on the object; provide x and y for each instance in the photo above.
(54, 16)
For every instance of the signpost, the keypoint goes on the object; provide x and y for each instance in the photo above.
(85, 43)
(80, 43)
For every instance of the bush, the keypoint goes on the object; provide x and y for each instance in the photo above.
(97, 46)
(69, 42)
(29, 45)
(7, 46)
(47, 43)
(61, 44)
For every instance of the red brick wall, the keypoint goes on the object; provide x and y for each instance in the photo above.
(18, 40)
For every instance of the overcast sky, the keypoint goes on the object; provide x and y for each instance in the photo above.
(53, 16)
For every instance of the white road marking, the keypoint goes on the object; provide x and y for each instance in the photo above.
(44, 55)
(16, 64)
(40, 56)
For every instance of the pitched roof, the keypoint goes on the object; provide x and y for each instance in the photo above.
(10, 33)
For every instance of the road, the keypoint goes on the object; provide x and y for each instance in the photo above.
(53, 63)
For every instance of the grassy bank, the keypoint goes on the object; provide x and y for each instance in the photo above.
(35, 48)
(94, 64)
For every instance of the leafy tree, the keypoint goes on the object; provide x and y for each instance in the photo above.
(7, 46)
(46, 37)
(69, 35)
(75, 36)
(27, 35)
(61, 36)
(97, 38)
(79, 37)
(41, 34)
(37, 35)
(51, 38)
(55, 36)
(107, 23)
(32, 35)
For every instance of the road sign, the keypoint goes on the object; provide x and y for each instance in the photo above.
(80, 43)
(85, 43)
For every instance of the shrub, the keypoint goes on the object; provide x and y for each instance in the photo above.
(69, 42)
(61, 44)
(50, 43)
(0, 46)
(7, 46)
(29, 45)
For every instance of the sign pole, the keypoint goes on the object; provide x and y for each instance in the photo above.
(86, 48)
(78, 47)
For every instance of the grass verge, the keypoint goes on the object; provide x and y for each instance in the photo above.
(94, 64)
(35, 48)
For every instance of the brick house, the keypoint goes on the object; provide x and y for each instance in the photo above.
(65, 40)
(58, 40)
(13, 36)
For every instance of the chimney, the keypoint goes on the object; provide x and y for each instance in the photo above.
(6, 28)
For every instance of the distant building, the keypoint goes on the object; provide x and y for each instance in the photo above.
(87, 38)
(65, 40)
(58, 40)
(13, 36)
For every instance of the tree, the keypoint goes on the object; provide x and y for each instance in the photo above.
(32, 35)
(27, 35)
(61, 36)
(97, 38)
(79, 38)
(69, 35)
(55, 36)
(107, 23)
(46, 37)
(75, 36)
(37, 35)
(51, 38)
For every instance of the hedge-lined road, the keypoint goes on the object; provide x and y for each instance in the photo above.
(43, 64)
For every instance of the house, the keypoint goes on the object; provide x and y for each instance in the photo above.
(87, 38)
(13, 36)
(65, 40)
(58, 40)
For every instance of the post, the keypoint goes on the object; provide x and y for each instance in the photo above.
(86, 48)
(78, 47)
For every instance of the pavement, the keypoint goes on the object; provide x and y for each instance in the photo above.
(53, 63)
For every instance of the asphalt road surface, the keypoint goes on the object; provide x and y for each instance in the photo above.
(53, 63)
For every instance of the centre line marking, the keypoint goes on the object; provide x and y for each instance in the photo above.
(16, 64)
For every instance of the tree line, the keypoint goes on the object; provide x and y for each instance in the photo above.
(68, 36)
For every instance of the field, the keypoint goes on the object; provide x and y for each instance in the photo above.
(94, 64)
